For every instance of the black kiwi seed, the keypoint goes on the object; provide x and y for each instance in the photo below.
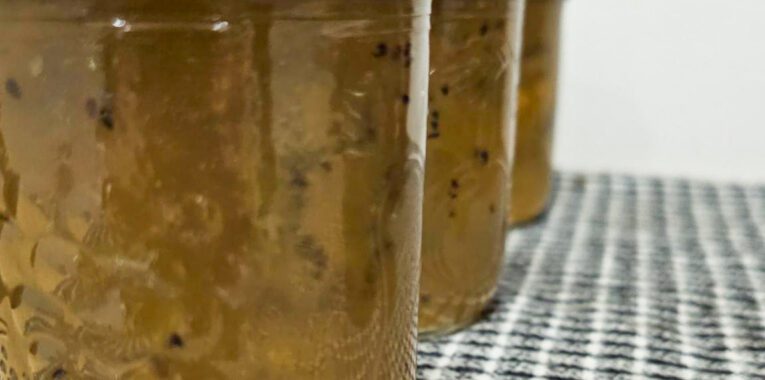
(12, 88)
(175, 341)
(405, 99)
(58, 374)
(299, 180)
(483, 155)
(381, 50)
(484, 29)
(445, 89)
(107, 118)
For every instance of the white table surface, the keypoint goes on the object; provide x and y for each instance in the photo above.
(665, 87)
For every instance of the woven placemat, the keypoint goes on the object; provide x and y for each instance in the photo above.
(626, 278)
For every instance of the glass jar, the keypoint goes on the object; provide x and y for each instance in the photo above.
(474, 52)
(532, 170)
(211, 189)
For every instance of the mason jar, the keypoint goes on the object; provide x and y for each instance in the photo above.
(532, 170)
(474, 69)
(207, 189)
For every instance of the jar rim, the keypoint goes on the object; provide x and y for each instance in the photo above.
(210, 10)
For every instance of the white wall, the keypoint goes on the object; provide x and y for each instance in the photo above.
(667, 87)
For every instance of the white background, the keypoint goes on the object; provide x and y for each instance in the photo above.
(663, 87)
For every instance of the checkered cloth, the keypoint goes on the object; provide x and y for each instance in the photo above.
(626, 278)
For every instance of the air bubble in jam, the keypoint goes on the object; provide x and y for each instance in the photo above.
(119, 22)
(191, 198)
(220, 26)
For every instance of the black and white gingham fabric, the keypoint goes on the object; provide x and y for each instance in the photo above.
(627, 278)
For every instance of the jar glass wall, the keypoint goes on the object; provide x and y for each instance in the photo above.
(474, 54)
(211, 189)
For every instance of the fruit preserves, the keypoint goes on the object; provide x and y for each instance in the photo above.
(211, 189)
(474, 64)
